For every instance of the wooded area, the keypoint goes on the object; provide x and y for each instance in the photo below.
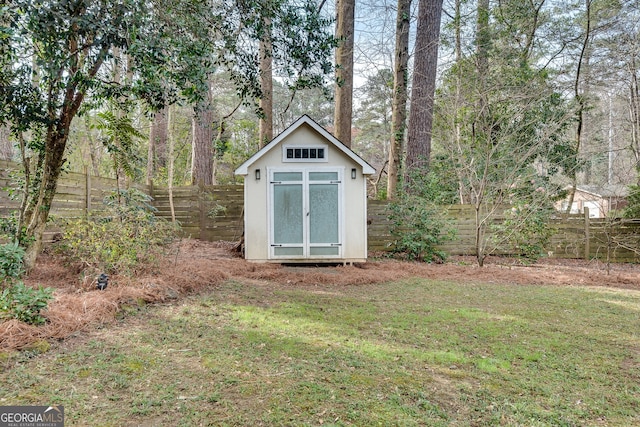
(214, 213)
(481, 103)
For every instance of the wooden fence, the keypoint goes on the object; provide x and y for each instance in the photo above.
(209, 213)
(573, 236)
(216, 213)
(76, 194)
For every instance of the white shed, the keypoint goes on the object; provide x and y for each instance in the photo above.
(305, 196)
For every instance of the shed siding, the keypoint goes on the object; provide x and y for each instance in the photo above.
(256, 197)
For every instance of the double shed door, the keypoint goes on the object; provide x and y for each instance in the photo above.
(305, 213)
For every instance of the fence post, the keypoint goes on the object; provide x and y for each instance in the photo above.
(151, 189)
(87, 191)
(587, 243)
(201, 206)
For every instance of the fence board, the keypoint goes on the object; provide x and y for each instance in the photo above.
(216, 213)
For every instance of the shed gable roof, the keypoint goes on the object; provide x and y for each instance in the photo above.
(367, 169)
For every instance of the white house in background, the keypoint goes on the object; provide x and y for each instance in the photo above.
(305, 196)
(600, 200)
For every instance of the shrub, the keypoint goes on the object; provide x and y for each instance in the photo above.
(21, 302)
(418, 225)
(9, 230)
(119, 238)
(18, 301)
(526, 229)
(633, 199)
(11, 267)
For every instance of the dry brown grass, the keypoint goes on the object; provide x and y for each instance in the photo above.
(193, 266)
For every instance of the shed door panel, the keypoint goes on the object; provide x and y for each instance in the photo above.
(288, 228)
(324, 221)
(323, 213)
(306, 216)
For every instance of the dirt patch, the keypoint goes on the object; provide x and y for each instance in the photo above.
(192, 266)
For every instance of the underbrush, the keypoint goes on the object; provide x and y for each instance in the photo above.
(123, 239)
(119, 238)
(418, 223)
(18, 301)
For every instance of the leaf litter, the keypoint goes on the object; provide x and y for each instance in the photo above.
(193, 266)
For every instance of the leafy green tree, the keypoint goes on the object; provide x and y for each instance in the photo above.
(503, 125)
(229, 39)
(56, 56)
(60, 50)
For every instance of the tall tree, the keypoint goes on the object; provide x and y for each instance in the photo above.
(424, 85)
(399, 103)
(203, 137)
(249, 42)
(580, 97)
(266, 84)
(293, 42)
(345, 23)
(458, 99)
(69, 42)
(157, 150)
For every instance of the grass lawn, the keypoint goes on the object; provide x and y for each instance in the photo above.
(414, 352)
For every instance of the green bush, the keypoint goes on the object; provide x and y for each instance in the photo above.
(9, 230)
(18, 301)
(125, 234)
(21, 302)
(418, 225)
(526, 229)
(11, 267)
(633, 199)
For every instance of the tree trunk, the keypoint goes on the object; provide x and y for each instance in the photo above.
(424, 85)
(458, 100)
(479, 237)
(51, 160)
(482, 130)
(38, 212)
(6, 147)
(266, 85)
(95, 148)
(634, 111)
(345, 18)
(158, 141)
(202, 138)
(170, 161)
(399, 103)
(579, 95)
